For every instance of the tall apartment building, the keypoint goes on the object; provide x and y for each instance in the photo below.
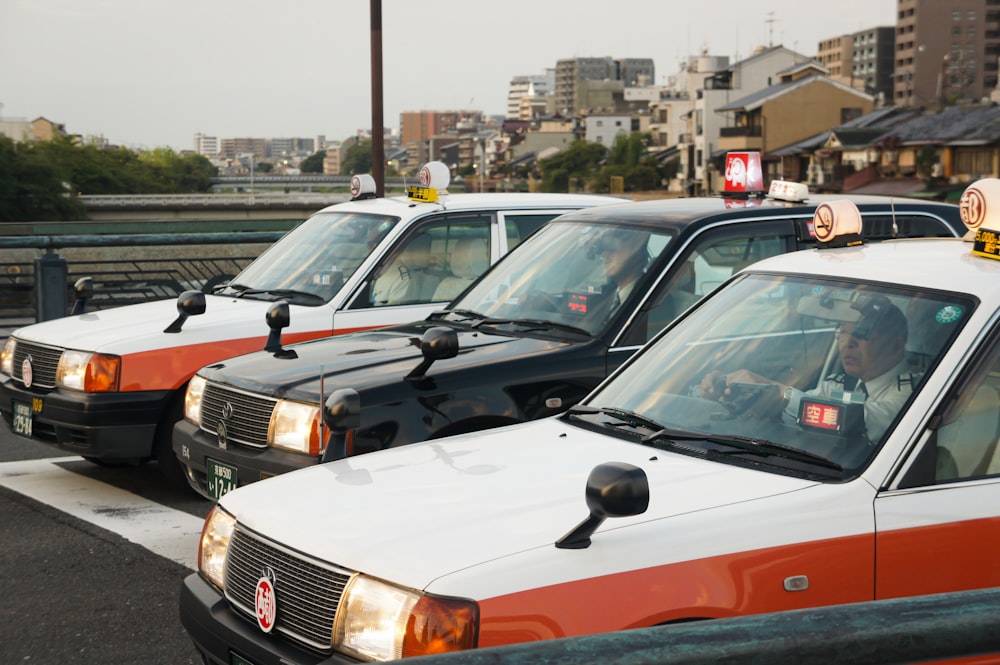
(420, 126)
(528, 87)
(571, 71)
(872, 62)
(206, 145)
(232, 148)
(946, 50)
(862, 60)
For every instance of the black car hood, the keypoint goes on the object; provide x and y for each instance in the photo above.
(368, 360)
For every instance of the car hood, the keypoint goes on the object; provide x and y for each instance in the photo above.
(135, 328)
(365, 359)
(471, 499)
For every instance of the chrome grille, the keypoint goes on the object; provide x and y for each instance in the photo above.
(307, 592)
(250, 419)
(44, 362)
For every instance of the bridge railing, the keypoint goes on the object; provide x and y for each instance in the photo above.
(37, 272)
(935, 628)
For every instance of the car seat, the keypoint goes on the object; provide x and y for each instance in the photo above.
(468, 260)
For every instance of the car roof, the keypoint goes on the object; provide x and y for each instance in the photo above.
(680, 213)
(946, 264)
(402, 206)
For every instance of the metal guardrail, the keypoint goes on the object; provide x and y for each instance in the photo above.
(885, 632)
(164, 266)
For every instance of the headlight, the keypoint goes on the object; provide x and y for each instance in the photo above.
(7, 357)
(192, 399)
(90, 372)
(214, 542)
(380, 621)
(295, 426)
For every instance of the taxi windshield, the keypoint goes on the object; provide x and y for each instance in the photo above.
(572, 275)
(310, 263)
(798, 374)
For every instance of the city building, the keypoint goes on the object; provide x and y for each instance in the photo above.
(533, 87)
(206, 145)
(946, 51)
(573, 97)
(872, 62)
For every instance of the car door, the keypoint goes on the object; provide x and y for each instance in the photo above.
(938, 528)
(698, 267)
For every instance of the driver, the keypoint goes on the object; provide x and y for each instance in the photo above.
(873, 354)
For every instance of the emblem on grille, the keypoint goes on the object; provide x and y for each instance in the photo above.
(227, 411)
(26, 375)
(265, 602)
(220, 431)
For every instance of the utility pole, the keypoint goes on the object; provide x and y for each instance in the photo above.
(378, 132)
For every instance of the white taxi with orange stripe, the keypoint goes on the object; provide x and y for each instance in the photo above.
(109, 385)
(820, 430)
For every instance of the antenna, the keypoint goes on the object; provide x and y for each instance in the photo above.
(770, 28)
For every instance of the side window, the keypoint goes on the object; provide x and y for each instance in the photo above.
(966, 442)
(711, 261)
(432, 263)
(520, 225)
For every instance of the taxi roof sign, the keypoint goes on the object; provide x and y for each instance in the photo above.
(434, 179)
(784, 190)
(980, 211)
(744, 175)
(837, 224)
(362, 186)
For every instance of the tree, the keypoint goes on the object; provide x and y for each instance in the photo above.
(31, 188)
(313, 163)
(357, 158)
(578, 161)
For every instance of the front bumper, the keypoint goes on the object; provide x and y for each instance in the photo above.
(218, 631)
(194, 447)
(107, 426)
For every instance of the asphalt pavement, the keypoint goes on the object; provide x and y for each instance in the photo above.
(77, 593)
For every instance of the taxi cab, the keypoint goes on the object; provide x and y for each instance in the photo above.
(822, 429)
(527, 340)
(109, 385)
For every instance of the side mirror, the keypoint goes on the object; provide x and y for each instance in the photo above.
(189, 303)
(614, 489)
(436, 343)
(83, 290)
(341, 414)
(278, 318)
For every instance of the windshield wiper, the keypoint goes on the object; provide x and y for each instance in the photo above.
(630, 418)
(281, 293)
(744, 445)
(540, 324)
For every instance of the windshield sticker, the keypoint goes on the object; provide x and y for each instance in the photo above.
(948, 314)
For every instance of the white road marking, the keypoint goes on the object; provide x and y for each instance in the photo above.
(170, 533)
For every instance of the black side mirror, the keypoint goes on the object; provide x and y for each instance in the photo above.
(614, 489)
(436, 343)
(341, 414)
(83, 290)
(189, 303)
(278, 317)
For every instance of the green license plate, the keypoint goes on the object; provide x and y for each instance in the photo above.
(221, 479)
(22, 419)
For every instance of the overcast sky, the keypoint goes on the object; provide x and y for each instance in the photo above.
(149, 73)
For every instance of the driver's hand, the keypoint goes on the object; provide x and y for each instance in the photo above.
(715, 385)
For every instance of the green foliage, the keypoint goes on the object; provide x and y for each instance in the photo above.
(37, 179)
(31, 189)
(925, 160)
(595, 165)
(357, 158)
(313, 163)
(580, 160)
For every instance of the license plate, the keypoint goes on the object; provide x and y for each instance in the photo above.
(22, 419)
(238, 660)
(221, 479)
